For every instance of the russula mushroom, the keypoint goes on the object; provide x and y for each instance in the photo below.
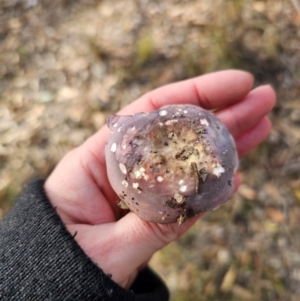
(171, 164)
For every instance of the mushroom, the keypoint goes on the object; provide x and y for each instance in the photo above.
(171, 164)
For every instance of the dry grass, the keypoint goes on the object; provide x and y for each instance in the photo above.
(64, 66)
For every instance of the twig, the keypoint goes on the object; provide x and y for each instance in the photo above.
(296, 5)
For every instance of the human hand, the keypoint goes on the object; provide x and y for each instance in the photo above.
(121, 244)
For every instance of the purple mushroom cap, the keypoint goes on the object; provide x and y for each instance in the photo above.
(171, 164)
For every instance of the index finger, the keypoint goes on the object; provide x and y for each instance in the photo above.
(210, 91)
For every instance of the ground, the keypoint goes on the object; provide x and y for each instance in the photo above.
(66, 65)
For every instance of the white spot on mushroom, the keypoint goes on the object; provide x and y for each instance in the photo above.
(169, 122)
(125, 183)
(183, 188)
(160, 212)
(138, 174)
(218, 170)
(119, 129)
(204, 122)
(180, 182)
(132, 129)
(137, 141)
(179, 198)
(115, 125)
(135, 185)
(159, 179)
(141, 173)
(123, 168)
(124, 146)
(185, 111)
(163, 113)
(113, 147)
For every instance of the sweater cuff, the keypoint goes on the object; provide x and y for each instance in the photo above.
(40, 260)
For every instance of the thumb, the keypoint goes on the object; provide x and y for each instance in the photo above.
(122, 248)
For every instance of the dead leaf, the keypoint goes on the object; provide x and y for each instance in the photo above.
(247, 192)
(242, 294)
(276, 215)
(228, 280)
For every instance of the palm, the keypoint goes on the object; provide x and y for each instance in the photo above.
(80, 190)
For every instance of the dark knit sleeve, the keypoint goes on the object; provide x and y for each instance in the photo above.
(40, 260)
